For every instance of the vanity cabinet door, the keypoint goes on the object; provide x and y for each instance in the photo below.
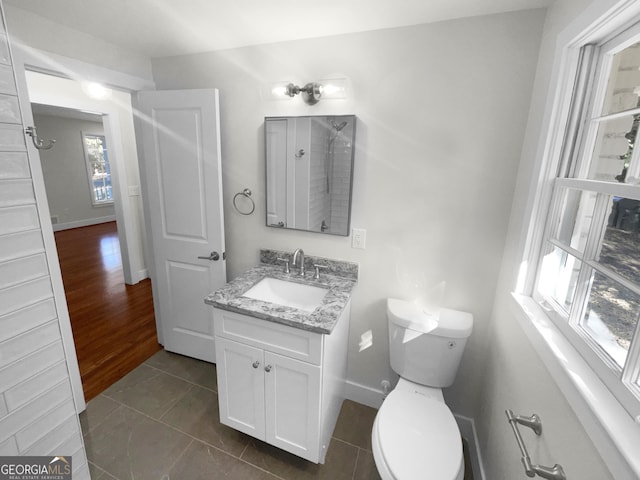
(240, 370)
(292, 402)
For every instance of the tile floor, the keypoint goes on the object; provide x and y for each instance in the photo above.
(161, 422)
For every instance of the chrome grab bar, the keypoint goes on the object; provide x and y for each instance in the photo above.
(534, 423)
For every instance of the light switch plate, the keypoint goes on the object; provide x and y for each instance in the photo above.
(358, 238)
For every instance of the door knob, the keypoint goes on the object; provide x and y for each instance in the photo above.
(267, 368)
(212, 256)
(255, 364)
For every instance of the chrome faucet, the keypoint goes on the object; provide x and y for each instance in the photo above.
(294, 259)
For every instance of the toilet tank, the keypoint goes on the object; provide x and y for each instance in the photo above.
(424, 348)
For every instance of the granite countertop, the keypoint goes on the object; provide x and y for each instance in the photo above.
(321, 320)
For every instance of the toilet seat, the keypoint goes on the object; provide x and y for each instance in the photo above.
(417, 437)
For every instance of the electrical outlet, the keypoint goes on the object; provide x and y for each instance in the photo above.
(358, 238)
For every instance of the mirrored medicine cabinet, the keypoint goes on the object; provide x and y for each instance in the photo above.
(309, 171)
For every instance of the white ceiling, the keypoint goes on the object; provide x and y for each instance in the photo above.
(157, 28)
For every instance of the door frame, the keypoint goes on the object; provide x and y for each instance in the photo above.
(26, 58)
(131, 232)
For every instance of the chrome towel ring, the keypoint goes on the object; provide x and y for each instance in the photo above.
(247, 194)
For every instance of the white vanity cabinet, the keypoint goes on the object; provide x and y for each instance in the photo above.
(281, 384)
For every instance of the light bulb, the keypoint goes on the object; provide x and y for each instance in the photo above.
(333, 88)
(96, 90)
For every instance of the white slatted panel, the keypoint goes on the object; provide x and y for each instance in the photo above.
(9, 447)
(37, 430)
(31, 365)
(23, 270)
(21, 243)
(4, 50)
(17, 347)
(9, 109)
(21, 296)
(17, 192)
(21, 418)
(14, 165)
(37, 412)
(80, 471)
(7, 84)
(32, 387)
(12, 138)
(20, 321)
(18, 219)
(68, 431)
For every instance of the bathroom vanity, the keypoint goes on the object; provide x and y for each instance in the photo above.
(282, 369)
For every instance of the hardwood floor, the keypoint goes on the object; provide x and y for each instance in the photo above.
(113, 324)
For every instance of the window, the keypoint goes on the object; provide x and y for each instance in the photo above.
(588, 278)
(95, 150)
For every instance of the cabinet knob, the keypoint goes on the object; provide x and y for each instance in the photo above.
(267, 368)
(256, 364)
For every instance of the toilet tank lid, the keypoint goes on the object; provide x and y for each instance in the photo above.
(446, 323)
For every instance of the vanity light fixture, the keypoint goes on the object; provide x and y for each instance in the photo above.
(311, 93)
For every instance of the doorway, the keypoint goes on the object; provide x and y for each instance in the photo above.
(77, 180)
(113, 323)
(117, 117)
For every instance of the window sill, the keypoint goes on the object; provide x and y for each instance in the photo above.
(612, 430)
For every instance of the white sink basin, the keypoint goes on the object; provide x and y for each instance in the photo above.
(290, 294)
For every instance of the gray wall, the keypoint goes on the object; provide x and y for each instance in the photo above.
(441, 114)
(65, 170)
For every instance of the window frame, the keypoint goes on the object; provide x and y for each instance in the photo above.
(614, 432)
(95, 202)
(578, 145)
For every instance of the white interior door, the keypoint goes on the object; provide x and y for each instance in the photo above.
(181, 173)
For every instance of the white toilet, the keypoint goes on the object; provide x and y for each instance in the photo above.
(414, 434)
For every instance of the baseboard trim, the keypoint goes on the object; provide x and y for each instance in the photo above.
(141, 275)
(468, 431)
(83, 223)
(362, 394)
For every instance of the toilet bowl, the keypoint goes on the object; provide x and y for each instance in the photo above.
(415, 435)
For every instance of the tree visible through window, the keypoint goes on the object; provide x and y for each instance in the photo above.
(95, 147)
